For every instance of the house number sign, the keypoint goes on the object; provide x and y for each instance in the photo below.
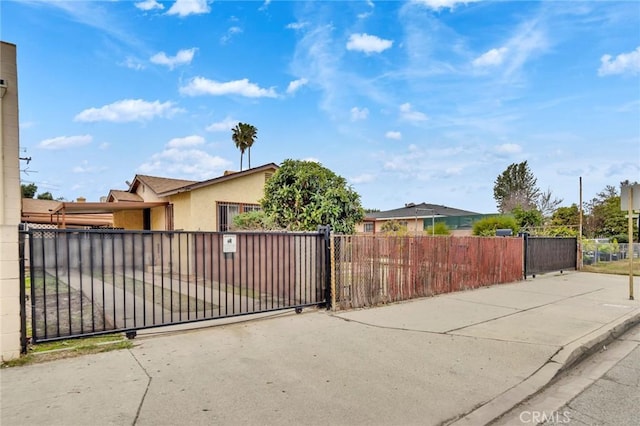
(229, 243)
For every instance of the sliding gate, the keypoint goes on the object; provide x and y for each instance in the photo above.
(90, 282)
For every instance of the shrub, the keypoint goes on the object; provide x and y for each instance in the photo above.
(440, 228)
(393, 227)
(487, 227)
(253, 221)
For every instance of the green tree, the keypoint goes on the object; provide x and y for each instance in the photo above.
(29, 191)
(516, 186)
(527, 218)
(244, 135)
(45, 196)
(487, 226)
(604, 217)
(566, 216)
(302, 195)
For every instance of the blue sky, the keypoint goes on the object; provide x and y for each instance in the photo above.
(419, 101)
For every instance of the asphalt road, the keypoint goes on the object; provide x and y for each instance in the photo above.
(603, 390)
(614, 399)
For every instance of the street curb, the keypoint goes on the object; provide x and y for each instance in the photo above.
(565, 358)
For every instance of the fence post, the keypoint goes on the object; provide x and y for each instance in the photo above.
(325, 231)
(525, 241)
(23, 293)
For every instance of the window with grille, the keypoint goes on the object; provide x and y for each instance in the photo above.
(368, 227)
(227, 211)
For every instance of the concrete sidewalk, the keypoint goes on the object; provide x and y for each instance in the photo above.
(462, 358)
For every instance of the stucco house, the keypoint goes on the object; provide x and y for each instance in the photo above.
(418, 217)
(174, 204)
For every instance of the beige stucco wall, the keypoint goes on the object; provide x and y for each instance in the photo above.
(181, 211)
(10, 205)
(204, 215)
(157, 219)
(147, 194)
(128, 219)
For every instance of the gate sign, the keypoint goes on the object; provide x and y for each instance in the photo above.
(624, 197)
(228, 243)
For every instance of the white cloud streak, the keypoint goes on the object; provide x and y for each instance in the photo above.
(129, 110)
(199, 86)
(181, 158)
(444, 4)
(359, 113)
(368, 43)
(393, 135)
(62, 142)
(509, 148)
(223, 126)
(184, 8)
(490, 58)
(147, 5)
(296, 84)
(408, 113)
(183, 57)
(193, 140)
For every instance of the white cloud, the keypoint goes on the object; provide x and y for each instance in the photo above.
(104, 145)
(62, 142)
(363, 178)
(407, 113)
(193, 140)
(132, 63)
(183, 57)
(393, 135)
(223, 126)
(184, 8)
(509, 148)
(359, 113)
(444, 4)
(296, 25)
(180, 158)
(230, 33)
(296, 84)
(490, 58)
(624, 63)
(368, 43)
(128, 110)
(148, 5)
(201, 86)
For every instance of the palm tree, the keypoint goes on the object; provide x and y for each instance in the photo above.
(244, 135)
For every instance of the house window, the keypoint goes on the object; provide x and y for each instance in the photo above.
(368, 227)
(267, 176)
(168, 217)
(227, 211)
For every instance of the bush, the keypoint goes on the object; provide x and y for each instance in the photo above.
(440, 228)
(253, 221)
(393, 227)
(487, 227)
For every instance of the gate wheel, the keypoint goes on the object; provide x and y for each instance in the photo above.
(131, 335)
(298, 310)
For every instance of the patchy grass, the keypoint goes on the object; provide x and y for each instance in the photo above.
(619, 267)
(50, 351)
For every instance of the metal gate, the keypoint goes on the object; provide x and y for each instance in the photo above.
(91, 282)
(547, 254)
